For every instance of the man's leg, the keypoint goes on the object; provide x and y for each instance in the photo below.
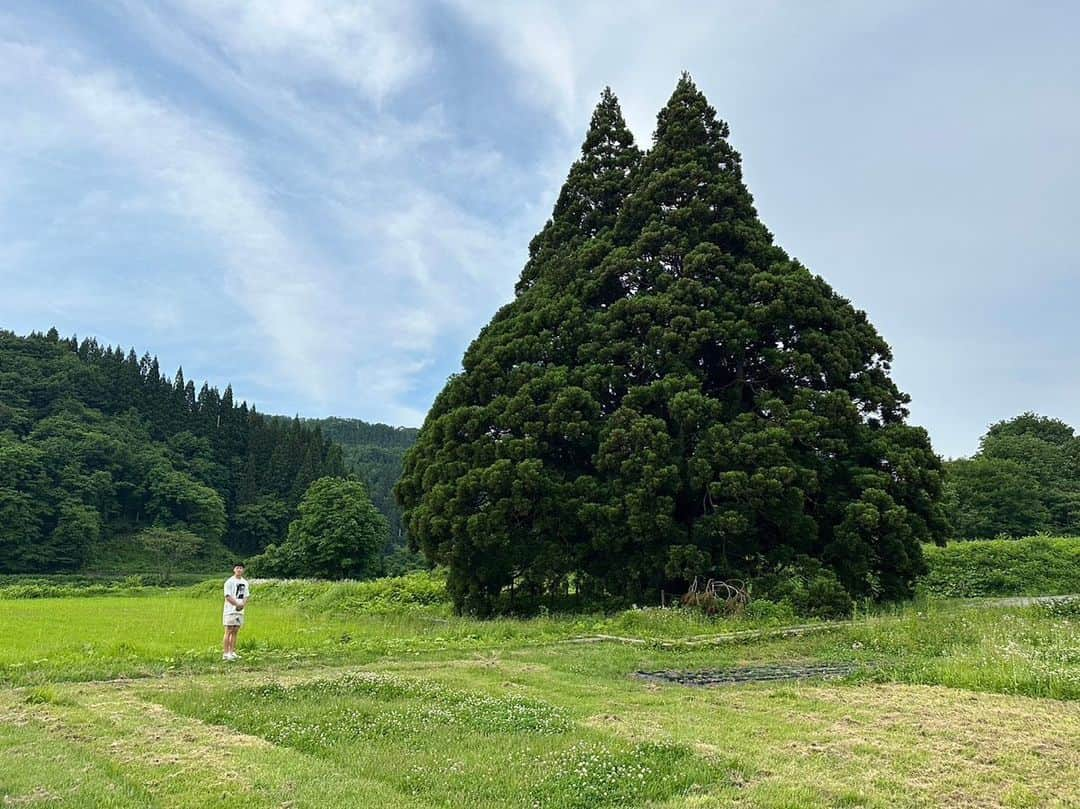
(230, 639)
(225, 642)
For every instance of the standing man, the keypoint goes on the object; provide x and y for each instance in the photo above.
(237, 594)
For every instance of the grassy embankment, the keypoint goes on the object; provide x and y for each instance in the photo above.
(373, 692)
(1037, 566)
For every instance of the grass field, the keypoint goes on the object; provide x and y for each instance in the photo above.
(347, 697)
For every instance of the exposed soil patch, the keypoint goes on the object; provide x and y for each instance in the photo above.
(750, 674)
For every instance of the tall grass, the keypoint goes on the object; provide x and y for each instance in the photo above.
(421, 590)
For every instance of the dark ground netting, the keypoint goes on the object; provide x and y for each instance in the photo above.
(750, 674)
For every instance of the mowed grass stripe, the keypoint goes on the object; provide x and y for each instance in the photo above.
(758, 746)
(452, 747)
(41, 768)
(811, 744)
(101, 745)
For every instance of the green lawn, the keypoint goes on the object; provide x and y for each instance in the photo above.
(123, 701)
(114, 636)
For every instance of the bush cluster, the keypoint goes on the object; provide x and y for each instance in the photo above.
(808, 587)
(1004, 567)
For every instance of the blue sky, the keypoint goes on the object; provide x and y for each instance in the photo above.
(322, 202)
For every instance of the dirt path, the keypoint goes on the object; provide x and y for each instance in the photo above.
(1028, 601)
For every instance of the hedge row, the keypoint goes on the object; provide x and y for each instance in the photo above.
(1004, 567)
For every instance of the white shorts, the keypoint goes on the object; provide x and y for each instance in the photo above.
(233, 619)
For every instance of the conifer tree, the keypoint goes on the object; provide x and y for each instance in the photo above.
(178, 411)
(191, 403)
(669, 395)
(514, 433)
(592, 195)
(756, 418)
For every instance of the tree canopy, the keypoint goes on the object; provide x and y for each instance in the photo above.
(339, 534)
(668, 395)
(1024, 479)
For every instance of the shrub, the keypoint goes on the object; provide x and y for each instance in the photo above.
(1004, 567)
(170, 549)
(810, 588)
(765, 611)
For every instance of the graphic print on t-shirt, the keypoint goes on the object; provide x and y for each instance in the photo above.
(237, 588)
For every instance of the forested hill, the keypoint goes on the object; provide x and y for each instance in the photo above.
(374, 452)
(97, 444)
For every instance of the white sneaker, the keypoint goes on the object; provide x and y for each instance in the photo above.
(229, 656)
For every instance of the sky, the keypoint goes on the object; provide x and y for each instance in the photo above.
(323, 201)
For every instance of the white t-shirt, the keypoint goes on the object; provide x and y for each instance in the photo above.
(238, 589)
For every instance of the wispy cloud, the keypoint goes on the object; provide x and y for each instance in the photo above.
(324, 200)
(198, 175)
(374, 46)
(340, 233)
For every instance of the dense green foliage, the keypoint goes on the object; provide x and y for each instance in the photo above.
(1024, 479)
(1032, 566)
(668, 395)
(374, 453)
(808, 587)
(338, 535)
(96, 445)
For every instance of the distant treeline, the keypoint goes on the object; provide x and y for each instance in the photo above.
(97, 443)
(373, 452)
(1025, 479)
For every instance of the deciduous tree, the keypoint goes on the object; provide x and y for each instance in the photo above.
(338, 535)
